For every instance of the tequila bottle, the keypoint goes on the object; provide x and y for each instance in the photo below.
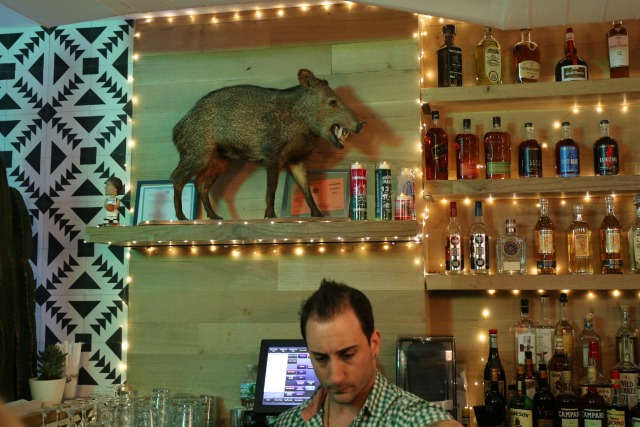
(529, 155)
(545, 331)
(454, 253)
(511, 251)
(525, 334)
(579, 244)
(488, 60)
(610, 241)
(545, 243)
(479, 243)
(634, 240)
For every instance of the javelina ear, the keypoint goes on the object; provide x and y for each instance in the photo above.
(305, 77)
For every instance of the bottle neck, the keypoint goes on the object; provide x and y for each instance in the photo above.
(524, 313)
(493, 345)
(543, 307)
(528, 133)
(579, 216)
(525, 36)
(570, 45)
(609, 208)
(436, 122)
(626, 351)
(604, 129)
(544, 209)
(563, 311)
(566, 132)
(448, 39)
(638, 211)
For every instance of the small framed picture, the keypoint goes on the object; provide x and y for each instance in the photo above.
(154, 201)
(330, 190)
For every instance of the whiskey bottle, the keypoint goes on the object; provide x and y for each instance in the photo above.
(543, 401)
(521, 405)
(497, 152)
(525, 333)
(567, 154)
(617, 409)
(454, 252)
(571, 67)
(488, 60)
(494, 362)
(567, 404)
(511, 251)
(494, 401)
(605, 153)
(593, 408)
(449, 59)
(586, 336)
(610, 244)
(435, 151)
(634, 240)
(544, 241)
(467, 153)
(479, 243)
(579, 244)
(593, 376)
(625, 329)
(565, 329)
(628, 373)
(558, 363)
(526, 56)
(618, 40)
(529, 155)
(545, 332)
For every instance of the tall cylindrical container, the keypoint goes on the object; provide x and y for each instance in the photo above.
(358, 201)
(407, 186)
(384, 208)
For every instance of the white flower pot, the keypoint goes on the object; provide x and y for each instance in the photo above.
(48, 391)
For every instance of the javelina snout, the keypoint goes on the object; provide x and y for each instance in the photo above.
(276, 127)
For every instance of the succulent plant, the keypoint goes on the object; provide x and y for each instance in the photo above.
(51, 363)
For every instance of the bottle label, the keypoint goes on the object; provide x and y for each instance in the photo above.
(525, 341)
(556, 386)
(636, 247)
(606, 159)
(619, 51)
(520, 417)
(440, 150)
(454, 255)
(544, 344)
(629, 386)
(612, 241)
(487, 387)
(455, 65)
(567, 340)
(545, 242)
(574, 72)
(529, 70)
(581, 244)
(532, 162)
(479, 253)
(247, 390)
(569, 417)
(492, 64)
(469, 170)
(569, 161)
(498, 168)
(635, 422)
(615, 418)
(593, 417)
(544, 422)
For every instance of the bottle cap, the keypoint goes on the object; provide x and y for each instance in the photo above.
(449, 28)
(604, 122)
(524, 305)
(466, 412)
(493, 331)
(528, 125)
(636, 199)
(496, 121)
(528, 355)
(466, 123)
(563, 297)
(435, 114)
(510, 222)
(579, 208)
(615, 374)
(566, 124)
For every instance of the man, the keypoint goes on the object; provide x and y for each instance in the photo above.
(337, 325)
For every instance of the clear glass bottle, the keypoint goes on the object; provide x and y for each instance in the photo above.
(571, 67)
(497, 152)
(565, 329)
(511, 251)
(617, 409)
(605, 152)
(435, 151)
(454, 248)
(479, 243)
(529, 155)
(544, 241)
(634, 239)
(525, 334)
(543, 401)
(467, 153)
(579, 244)
(625, 329)
(628, 373)
(618, 41)
(545, 332)
(494, 362)
(586, 336)
(449, 59)
(521, 405)
(558, 363)
(567, 403)
(488, 60)
(526, 55)
(610, 240)
(567, 154)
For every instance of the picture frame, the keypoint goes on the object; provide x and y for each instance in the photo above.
(154, 201)
(330, 190)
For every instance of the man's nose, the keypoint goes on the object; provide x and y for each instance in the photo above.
(337, 371)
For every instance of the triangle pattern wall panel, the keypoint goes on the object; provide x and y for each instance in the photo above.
(65, 127)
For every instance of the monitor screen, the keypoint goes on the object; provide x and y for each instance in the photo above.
(285, 376)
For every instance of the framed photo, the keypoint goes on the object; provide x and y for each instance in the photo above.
(154, 201)
(330, 190)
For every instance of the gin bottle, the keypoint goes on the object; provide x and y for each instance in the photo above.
(511, 251)
(634, 240)
(454, 253)
(545, 244)
(586, 336)
(610, 245)
(479, 243)
(545, 331)
(579, 244)
(625, 329)
(525, 334)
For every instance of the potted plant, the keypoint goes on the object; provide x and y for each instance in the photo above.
(48, 386)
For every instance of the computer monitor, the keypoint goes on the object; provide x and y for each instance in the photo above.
(285, 376)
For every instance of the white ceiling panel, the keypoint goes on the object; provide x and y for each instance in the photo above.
(585, 11)
(548, 13)
(617, 9)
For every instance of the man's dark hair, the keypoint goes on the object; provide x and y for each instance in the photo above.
(331, 299)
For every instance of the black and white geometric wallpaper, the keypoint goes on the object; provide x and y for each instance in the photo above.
(65, 127)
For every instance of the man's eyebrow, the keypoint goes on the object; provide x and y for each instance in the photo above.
(341, 351)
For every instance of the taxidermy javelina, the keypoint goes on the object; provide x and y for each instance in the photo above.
(278, 128)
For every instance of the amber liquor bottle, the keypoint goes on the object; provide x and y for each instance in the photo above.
(567, 154)
(449, 59)
(526, 55)
(545, 243)
(529, 155)
(497, 152)
(605, 153)
(558, 363)
(618, 40)
(634, 239)
(488, 60)
(610, 240)
(435, 151)
(467, 153)
(571, 67)
(579, 244)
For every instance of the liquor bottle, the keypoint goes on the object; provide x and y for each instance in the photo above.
(634, 416)
(593, 408)
(488, 60)
(544, 240)
(497, 152)
(493, 361)
(248, 387)
(525, 333)
(610, 240)
(449, 59)
(454, 249)
(594, 377)
(530, 379)
(435, 151)
(511, 251)
(634, 240)
(526, 55)
(625, 329)
(529, 155)
(605, 152)
(543, 401)
(521, 405)
(579, 244)
(617, 410)
(494, 401)
(567, 154)
(467, 153)
(571, 67)
(479, 243)
(618, 40)
(567, 404)
(565, 329)
(586, 336)
(558, 363)
(545, 331)
(628, 373)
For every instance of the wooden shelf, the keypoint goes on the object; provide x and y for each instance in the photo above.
(267, 231)
(469, 282)
(533, 187)
(535, 96)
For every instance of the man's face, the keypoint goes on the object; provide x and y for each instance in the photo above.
(342, 357)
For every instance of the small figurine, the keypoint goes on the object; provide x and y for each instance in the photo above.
(112, 188)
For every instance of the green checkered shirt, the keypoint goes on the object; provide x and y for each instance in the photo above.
(386, 405)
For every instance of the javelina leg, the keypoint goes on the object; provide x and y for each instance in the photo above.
(205, 180)
(179, 179)
(272, 183)
(299, 173)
